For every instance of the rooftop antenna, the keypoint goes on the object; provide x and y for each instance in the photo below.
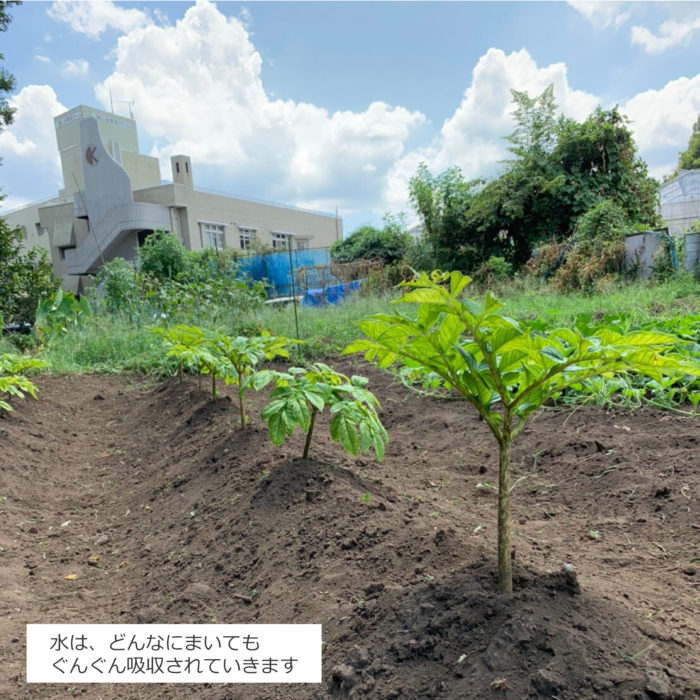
(131, 104)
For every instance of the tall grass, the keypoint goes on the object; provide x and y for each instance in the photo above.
(105, 343)
(324, 330)
(642, 301)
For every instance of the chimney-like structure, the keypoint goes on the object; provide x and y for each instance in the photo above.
(182, 170)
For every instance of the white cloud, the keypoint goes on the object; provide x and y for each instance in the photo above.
(672, 32)
(95, 17)
(602, 15)
(473, 137)
(28, 145)
(42, 59)
(75, 68)
(213, 106)
(663, 119)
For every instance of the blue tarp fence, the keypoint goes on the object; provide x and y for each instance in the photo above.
(275, 268)
(330, 294)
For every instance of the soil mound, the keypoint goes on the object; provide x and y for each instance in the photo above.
(161, 509)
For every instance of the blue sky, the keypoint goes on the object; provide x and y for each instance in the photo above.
(330, 104)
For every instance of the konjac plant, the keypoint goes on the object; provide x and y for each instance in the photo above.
(242, 355)
(12, 380)
(506, 370)
(192, 348)
(300, 394)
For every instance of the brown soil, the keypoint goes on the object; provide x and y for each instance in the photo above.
(403, 582)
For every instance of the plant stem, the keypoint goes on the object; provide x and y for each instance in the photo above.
(240, 405)
(307, 444)
(505, 571)
(213, 386)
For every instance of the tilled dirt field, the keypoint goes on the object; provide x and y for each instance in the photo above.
(176, 515)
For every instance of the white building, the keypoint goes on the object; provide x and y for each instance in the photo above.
(679, 201)
(113, 198)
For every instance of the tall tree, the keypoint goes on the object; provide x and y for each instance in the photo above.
(690, 158)
(25, 275)
(7, 80)
(441, 201)
(561, 168)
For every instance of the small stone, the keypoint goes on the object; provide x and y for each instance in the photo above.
(343, 676)
(102, 539)
(374, 588)
(361, 658)
(658, 685)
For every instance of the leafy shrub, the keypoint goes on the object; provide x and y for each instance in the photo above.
(162, 256)
(595, 251)
(369, 243)
(494, 270)
(121, 291)
(61, 312)
(26, 277)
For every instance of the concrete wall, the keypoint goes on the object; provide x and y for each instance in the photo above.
(316, 230)
(640, 249)
(27, 219)
(120, 138)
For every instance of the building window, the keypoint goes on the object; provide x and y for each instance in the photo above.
(246, 237)
(214, 236)
(280, 241)
(302, 244)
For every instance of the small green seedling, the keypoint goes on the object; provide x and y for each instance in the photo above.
(301, 394)
(12, 380)
(191, 347)
(242, 356)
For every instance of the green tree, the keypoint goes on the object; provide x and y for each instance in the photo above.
(441, 201)
(7, 80)
(162, 255)
(559, 170)
(26, 277)
(387, 244)
(690, 158)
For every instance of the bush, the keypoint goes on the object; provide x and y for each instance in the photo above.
(26, 277)
(162, 255)
(120, 286)
(494, 270)
(419, 254)
(369, 243)
(595, 252)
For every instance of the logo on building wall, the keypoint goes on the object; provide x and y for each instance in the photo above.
(90, 155)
